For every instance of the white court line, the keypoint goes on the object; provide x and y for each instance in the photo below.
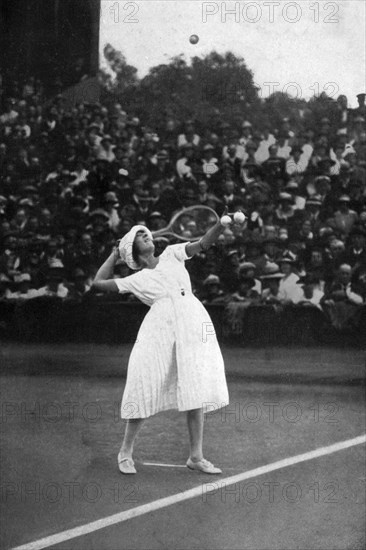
(58, 538)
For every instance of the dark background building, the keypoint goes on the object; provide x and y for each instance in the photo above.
(55, 40)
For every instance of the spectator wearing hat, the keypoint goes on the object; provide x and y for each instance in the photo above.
(285, 213)
(288, 284)
(271, 285)
(297, 163)
(344, 218)
(312, 213)
(309, 294)
(250, 168)
(274, 168)
(213, 293)
(210, 164)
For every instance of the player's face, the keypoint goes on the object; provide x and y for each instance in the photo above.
(144, 242)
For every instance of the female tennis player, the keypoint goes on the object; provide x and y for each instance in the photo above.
(176, 362)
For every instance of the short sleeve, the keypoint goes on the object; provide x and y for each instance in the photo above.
(179, 251)
(131, 283)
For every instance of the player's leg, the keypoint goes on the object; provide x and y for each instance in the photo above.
(125, 462)
(133, 426)
(195, 420)
(195, 430)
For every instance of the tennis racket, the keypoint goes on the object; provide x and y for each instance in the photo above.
(189, 224)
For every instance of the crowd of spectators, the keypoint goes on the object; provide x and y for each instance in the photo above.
(74, 180)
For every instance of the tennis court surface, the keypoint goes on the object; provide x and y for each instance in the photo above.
(291, 445)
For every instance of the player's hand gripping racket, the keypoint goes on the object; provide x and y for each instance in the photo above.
(189, 224)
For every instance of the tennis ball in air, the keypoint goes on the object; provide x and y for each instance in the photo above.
(239, 217)
(193, 39)
(225, 221)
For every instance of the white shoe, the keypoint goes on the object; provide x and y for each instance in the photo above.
(126, 465)
(203, 465)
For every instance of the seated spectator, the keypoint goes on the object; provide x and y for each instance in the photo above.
(4, 287)
(355, 255)
(232, 159)
(246, 133)
(285, 213)
(210, 164)
(248, 269)
(344, 218)
(105, 149)
(274, 168)
(54, 286)
(288, 284)
(10, 261)
(340, 301)
(309, 291)
(213, 293)
(271, 285)
(78, 287)
(292, 187)
(189, 137)
(25, 290)
(296, 164)
(245, 293)
(341, 289)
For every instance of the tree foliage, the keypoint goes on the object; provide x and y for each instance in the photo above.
(215, 83)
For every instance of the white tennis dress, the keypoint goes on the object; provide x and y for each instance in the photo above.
(176, 362)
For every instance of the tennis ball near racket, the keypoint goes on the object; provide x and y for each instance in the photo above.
(225, 221)
(193, 39)
(239, 217)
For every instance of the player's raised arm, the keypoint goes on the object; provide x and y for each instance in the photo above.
(103, 281)
(208, 239)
